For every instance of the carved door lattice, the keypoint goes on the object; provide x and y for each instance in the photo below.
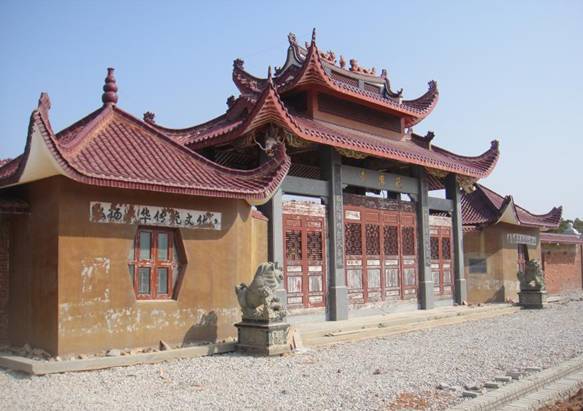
(381, 260)
(391, 240)
(373, 240)
(315, 245)
(304, 260)
(293, 245)
(353, 240)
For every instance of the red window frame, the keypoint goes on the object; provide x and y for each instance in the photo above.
(154, 263)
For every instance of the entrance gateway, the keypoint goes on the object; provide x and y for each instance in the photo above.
(380, 251)
(342, 129)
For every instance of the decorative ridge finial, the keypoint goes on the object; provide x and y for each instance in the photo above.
(150, 117)
(44, 102)
(495, 144)
(109, 96)
(269, 78)
(238, 63)
(313, 36)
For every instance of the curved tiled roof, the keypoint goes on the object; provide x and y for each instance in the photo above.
(484, 206)
(213, 128)
(270, 108)
(112, 148)
(260, 100)
(321, 71)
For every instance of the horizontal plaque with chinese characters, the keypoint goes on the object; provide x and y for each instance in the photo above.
(118, 213)
(515, 238)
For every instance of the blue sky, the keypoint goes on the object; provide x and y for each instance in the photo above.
(509, 70)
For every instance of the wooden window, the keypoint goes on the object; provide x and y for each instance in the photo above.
(155, 263)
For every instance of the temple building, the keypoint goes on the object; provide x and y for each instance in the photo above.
(499, 238)
(348, 133)
(118, 232)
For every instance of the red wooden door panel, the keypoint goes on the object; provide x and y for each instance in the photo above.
(441, 256)
(304, 260)
(380, 251)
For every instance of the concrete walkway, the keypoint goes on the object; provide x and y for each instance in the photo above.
(315, 334)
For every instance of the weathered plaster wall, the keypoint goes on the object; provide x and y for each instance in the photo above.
(500, 282)
(97, 306)
(562, 268)
(33, 292)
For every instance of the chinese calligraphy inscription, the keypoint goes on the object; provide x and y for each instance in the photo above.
(117, 213)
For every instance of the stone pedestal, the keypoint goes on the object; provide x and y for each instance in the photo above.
(531, 298)
(263, 338)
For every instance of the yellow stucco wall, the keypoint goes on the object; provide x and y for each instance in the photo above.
(500, 282)
(97, 308)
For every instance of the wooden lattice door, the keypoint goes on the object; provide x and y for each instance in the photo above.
(441, 260)
(304, 260)
(380, 250)
(408, 230)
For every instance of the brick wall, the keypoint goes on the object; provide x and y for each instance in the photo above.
(4, 255)
(562, 267)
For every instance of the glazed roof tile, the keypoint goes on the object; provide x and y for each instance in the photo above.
(484, 206)
(112, 148)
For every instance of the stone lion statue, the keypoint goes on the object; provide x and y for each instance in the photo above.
(533, 277)
(257, 300)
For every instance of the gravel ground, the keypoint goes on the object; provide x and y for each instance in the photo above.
(383, 373)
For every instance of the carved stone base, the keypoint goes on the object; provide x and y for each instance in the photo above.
(263, 338)
(531, 298)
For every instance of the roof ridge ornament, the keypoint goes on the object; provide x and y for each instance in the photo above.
(109, 96)
(44, 103)
(149, 117)
(313, 37)
(238, 63)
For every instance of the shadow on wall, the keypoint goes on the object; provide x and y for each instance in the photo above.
(205, 330)
(498, 297)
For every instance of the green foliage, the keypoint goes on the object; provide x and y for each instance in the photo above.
(577, 224)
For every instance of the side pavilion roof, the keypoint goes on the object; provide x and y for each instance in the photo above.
(111, 148)
(484, 206)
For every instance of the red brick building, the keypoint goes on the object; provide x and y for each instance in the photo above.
(561, 259)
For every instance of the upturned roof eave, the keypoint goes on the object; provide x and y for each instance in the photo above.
(272, 171)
